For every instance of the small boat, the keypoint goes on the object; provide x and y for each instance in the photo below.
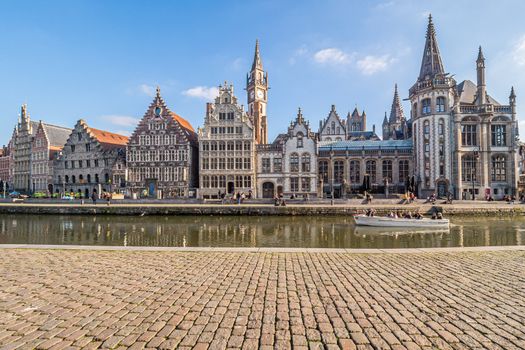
(382, 221)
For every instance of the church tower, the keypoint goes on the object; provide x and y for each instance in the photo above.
(432, 100)
(257, 89)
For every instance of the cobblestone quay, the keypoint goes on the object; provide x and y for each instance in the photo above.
(57, 299)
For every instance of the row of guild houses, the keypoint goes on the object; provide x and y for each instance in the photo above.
(457, 139)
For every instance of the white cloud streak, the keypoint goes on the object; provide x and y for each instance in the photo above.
(147, 89)
(333, 56)
(121, 120)
(202, 92)
(370, 64)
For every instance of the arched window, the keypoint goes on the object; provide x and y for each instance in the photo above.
(89, 178)
(425, 108)
(370, 166)
(73, 179)
(323, 171)
(333, 127)
(403, 170)
(469, 166)
(80, 178)
(294, 163)
(338, 139)
(305, 163)
(67, 179)
(440, 104)
(441, 127)
(499, 168)
(339, 171)
(106, 177)
(355, 171)
(387, 170)
(97, 180)
(328, 139)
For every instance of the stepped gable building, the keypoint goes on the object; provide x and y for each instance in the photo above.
(227, 148)
(465, 142)
(333, 128)
(289, 165)
(92, 161)
(396, 127)
(35, 145)
(257, 90)
(162, 154)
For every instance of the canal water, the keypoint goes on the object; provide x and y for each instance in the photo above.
(228, 231)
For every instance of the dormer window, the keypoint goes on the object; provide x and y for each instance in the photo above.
(299, 140)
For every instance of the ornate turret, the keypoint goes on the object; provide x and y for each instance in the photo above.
(431, 64)
(481, 98)
(396, 111)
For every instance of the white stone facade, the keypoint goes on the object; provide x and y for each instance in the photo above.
(227, 162)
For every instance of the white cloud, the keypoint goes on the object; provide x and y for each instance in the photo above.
(147, 89)
(332, 56)
(300, 52)
(121, 120)
(202, 92)
(518, 53)
(372, 64)
(384, 5)
(124, 132)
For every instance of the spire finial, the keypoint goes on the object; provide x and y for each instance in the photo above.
(431, 64)
(396, 112)
(157, 91)
(257, 62)
(480, 54)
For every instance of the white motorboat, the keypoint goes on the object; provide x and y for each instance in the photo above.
(382, 221)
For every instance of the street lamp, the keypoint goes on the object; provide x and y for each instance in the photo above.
(473, 169)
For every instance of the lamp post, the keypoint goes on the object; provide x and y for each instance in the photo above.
(473, 170)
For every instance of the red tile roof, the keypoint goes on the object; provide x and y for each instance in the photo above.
(109, 138)
(183, 122)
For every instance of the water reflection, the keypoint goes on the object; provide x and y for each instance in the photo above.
(201, 231)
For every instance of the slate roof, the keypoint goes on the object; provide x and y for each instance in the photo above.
(57, 135)
(431, 64)
(367, 135)
(467, 91)
(368, 144)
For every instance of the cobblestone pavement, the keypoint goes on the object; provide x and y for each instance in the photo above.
(55, 299)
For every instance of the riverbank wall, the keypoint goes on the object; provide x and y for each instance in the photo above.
(470, 209)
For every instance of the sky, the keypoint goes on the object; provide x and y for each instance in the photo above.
(101, 60)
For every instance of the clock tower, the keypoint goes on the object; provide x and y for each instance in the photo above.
(257, 89)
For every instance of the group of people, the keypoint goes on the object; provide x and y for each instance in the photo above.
(405, 215)
(409, 197)
(238, 197)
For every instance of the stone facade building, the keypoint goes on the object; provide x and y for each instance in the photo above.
(162, 154)
(289, 165)
(465, 142)
(5, 168)
(343, 165)
(226, 148)
(47, 145)
(92, 161)
(35, 145)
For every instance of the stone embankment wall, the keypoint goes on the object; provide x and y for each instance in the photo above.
(255, 210)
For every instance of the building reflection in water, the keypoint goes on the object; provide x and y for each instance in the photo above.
(202, 231)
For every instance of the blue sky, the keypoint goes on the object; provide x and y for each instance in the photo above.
(101, 60)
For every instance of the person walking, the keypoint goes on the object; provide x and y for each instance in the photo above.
(94, 198)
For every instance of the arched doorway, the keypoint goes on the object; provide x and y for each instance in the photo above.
(268, 190)
(442, 188)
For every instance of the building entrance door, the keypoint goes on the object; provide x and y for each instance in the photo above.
(231, 187)
(268, 190)
(442, 189)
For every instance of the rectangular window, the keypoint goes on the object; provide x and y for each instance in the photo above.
(88, 147)
(425, 109)
(277, 165)
(72, 148)
(305, 184)
(266, 167)
(499, 135)
(238, 163)
(294, 184)
(247, 163)
(469, 135)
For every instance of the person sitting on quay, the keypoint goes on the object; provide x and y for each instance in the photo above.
(418, 215)
(408, 215)
(439, 216)
(434, 216)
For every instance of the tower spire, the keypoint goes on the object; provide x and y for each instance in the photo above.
(431, 64)
(396, 112)
(480, 70)
(257, 63)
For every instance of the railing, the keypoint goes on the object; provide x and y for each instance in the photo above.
(485, 109)
(426, 84)
(270, 147)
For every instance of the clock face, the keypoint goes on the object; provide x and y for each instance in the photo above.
(260, 94)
